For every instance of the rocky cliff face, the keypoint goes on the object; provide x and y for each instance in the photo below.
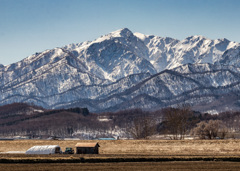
(124, 70)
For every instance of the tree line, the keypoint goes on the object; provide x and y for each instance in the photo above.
(181, 121)
(175, 123)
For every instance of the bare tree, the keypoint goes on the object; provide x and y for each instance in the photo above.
(223, 130)
(170, 118)
(210, 129)
(143, 127)
(178, 120)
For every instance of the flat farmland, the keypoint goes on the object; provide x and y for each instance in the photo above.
(127, 155)
(139, 147)
(175, 165)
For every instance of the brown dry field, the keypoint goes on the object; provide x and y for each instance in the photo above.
(197, 165)
(125, 149)
(139, 147)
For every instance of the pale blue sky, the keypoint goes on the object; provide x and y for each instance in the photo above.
(29, 26)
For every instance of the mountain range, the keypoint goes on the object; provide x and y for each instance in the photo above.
(123, 70)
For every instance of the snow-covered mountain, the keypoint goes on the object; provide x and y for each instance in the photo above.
(1, 66)
(124, 70)
(168, 53)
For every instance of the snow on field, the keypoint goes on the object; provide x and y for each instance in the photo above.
(13, 152)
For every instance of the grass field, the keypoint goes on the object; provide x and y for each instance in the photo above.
(128, 155)
(140, 147)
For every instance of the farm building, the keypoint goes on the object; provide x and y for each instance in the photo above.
(44, 149)
(106, 138)
(87, 148)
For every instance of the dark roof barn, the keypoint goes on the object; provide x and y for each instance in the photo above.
(87, 148)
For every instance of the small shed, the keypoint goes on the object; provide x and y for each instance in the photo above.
(87, 148)
(44, 149)
(106, 138)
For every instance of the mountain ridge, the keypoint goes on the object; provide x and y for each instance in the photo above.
(103, 73)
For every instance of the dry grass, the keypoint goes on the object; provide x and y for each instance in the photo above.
(121, 155)
(140, 147)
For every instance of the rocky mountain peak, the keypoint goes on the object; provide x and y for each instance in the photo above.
(123, 70)
(125, 32)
